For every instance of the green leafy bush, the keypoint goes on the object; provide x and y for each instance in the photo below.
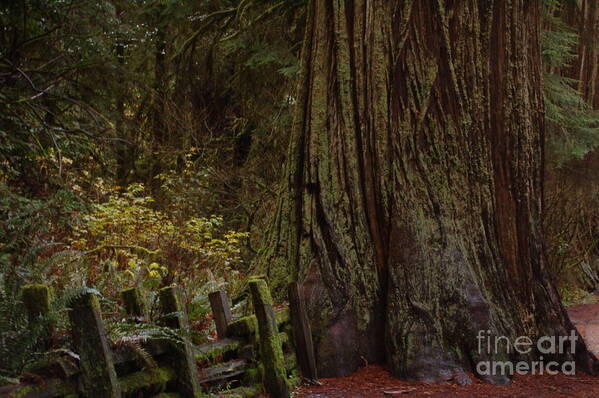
(127, 241)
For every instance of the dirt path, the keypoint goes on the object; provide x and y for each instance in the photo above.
(586, 319)
(373, 381)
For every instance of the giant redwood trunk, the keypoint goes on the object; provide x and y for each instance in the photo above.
(411, 212)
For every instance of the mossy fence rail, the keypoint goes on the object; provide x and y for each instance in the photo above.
(255, 355)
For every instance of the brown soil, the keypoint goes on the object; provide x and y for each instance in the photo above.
(374, 381)
(586, 319)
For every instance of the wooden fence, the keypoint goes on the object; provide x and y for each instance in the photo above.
(255, 354)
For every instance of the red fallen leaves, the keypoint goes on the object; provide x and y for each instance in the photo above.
(586, 319)
(373, 381)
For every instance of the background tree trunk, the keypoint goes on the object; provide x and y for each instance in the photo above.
(123, 153)
(412, 209)
(584, 16)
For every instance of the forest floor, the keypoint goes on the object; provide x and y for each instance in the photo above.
(374, 381)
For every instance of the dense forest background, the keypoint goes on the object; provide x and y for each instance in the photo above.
(142, 144)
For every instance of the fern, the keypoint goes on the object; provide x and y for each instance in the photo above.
(572, 124)
(145, 359)
(133, 336)
(21, 342)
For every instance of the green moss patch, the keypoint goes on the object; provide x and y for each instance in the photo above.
(167, 395)
(148, 381)
(248, 325)
(134, 302)
(218, 350)
(37, 299)
(51, 387)
(241, 392)
(243, 327)
(253, 375)
(283, 317)
(294, 382)
(290, 362)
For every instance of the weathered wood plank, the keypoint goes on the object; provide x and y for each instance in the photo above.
(37, 299)
(275, 376)
(89, 336)
(219, 302)
(134, 302)
(224, 348)
(175, 316)
(226, 371)
(302, 334)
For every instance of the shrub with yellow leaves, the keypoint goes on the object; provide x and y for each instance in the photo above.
(127, 241)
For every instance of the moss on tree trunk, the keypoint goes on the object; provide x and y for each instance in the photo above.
(411, 210)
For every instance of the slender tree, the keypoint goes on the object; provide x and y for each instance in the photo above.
(411, 212)
(583, 15)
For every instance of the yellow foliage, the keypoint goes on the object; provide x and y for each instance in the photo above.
(146, 245)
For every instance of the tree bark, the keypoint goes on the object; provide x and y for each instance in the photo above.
(583, 15)
(411, 211)
(123, 152)
(158, 124)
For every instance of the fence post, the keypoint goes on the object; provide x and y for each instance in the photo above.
(175, 316)
(134, 302)
(275, 376)
(219, 302)
(37, 299)
(89, 335)
(302, 334)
